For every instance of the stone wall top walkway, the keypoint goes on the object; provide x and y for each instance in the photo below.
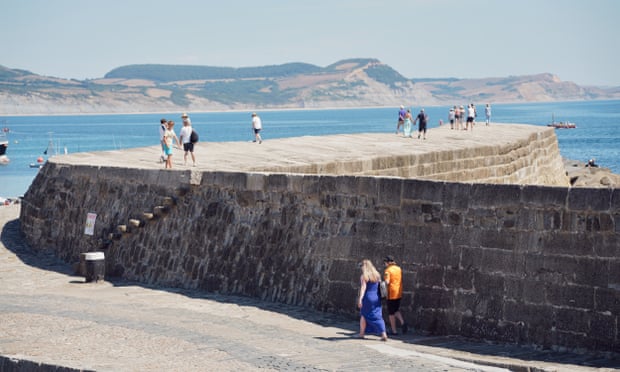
(487, 154)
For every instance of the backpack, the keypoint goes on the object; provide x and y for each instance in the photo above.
(193, 138)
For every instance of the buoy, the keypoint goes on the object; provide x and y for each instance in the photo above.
(40, 159)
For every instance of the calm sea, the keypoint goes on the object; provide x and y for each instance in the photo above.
(597, 134)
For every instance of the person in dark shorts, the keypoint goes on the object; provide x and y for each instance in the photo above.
(257, 126)
(423, 119)
(185, 138)
(393, 277)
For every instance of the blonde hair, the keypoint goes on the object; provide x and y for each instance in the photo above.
(369, 272)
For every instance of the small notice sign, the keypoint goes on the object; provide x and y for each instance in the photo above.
(89, 229)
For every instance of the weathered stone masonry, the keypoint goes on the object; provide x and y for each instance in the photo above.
(527, 264)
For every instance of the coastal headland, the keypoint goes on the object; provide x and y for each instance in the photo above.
(493, 241)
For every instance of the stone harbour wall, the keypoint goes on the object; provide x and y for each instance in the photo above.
(516, 263)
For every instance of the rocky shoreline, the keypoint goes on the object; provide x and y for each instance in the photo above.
(582, 175)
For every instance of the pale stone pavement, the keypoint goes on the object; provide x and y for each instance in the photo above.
(50, 316)
(309, 150)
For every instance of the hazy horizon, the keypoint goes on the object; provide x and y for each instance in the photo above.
(573, 39)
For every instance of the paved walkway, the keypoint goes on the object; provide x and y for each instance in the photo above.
(50, 316)
(242, 156)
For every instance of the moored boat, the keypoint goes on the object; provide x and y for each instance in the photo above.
(561, 124)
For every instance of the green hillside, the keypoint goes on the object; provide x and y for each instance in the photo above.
(168, 73)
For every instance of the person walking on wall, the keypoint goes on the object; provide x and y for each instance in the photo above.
(487, 113)
(451, 118)
(401, 119)
(169, 136)
(257, 126)
(369, 301)
(393, 276)
(423, 118)
(163, 126)
(407, 128)
(471, 116)
(185, 138)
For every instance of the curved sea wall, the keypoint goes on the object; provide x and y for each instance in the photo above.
(518, 263)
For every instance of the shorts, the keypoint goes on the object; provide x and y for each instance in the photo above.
(451, 121)
(393, 306)
(470, 119)
(167, 150)
(188, 147)
(257, 131)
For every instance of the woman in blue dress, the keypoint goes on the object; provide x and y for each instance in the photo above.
(369, 302)
(408, 124)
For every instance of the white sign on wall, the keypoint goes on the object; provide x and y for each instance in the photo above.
(89, 229)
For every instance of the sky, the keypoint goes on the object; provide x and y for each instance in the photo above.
(84, 39)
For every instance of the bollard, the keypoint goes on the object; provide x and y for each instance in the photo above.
(95, 266)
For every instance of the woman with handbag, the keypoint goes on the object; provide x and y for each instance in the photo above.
(369, 302)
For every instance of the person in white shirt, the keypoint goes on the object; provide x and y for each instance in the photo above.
(487, 113)
(471, 115)
(163, 126)
(257, 125)
(185, 139)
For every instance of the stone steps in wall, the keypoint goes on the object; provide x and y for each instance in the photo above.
(146, 217)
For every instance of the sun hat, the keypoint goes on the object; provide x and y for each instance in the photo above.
(184, 115)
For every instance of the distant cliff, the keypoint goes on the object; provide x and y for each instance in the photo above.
(347, 83)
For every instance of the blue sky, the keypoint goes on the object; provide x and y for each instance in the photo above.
(574, 39)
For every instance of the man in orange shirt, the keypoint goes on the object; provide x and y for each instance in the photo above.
(393, 277)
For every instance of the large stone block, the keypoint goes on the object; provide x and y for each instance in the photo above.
(570, 296)
(423, 190)
(344, 270)
(390, 191)
(459, 279)
(579, 270)
(437, 322)
(499, 239)
(607, 300)
(544, 196)
(430, 276)
(567, 243)
(485, 195)
(572, 320)
(501, 262)
(603, 331)
(456, 196)
(433, 298)
(476, 327)
(489, 284)
(341, 297)
(586, 199)
(538, 321)
(607, 246)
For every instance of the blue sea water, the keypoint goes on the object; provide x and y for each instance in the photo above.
(597, 134)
